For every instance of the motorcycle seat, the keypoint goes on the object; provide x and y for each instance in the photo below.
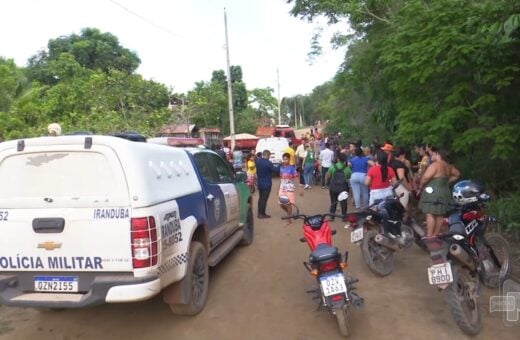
(323, 253)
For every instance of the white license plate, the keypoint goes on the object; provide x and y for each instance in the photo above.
(356, 235)
(333, 284)
(67, 284)
(440, 274)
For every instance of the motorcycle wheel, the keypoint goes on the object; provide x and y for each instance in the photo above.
(380, 260)
(343, 321)
(462, 302)
(498, 248)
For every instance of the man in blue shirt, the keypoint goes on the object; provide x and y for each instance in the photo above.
(264, 174)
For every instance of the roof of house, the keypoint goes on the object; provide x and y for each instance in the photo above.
(211, 130)
(178, 128)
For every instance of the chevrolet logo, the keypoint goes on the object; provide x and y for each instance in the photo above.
(49, 245)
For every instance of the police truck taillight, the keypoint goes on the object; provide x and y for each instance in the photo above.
(144, 242)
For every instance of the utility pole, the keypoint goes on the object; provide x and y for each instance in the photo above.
(295, 114)
(230, 90)
(279, 101)
(188, 133)
(301, 112)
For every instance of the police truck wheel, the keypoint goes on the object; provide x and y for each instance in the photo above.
(196, 282)
(249, 229)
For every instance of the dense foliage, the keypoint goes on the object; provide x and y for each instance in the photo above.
(445, 72)
(87, 82)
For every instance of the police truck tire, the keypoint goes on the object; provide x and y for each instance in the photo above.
(197, 279)
(249, 229)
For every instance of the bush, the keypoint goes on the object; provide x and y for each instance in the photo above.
(507, 210)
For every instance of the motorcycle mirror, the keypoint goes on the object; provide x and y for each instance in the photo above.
(342, 196)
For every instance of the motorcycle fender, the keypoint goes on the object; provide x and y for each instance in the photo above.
(336, 304)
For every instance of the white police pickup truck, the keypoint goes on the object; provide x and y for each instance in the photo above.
(100, 219)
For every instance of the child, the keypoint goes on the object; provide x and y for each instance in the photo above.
(287, 186)
(251, 172)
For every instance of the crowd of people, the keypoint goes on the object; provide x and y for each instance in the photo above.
(368, 172)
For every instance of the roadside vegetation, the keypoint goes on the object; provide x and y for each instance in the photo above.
(445, 72)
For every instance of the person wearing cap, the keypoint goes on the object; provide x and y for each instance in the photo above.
(388, 148)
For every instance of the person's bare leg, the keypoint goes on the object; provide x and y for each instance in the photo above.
(439, 221)
(430, 225)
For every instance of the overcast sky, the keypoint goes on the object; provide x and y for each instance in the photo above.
(181, 42)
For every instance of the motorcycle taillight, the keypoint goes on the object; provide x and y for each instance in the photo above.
(352, 218)
(338, 297)
(328, 266)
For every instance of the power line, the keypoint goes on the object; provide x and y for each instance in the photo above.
(146, 20)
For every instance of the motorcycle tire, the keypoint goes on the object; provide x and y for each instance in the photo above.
(343, 321)
(498, 248)
(380, 260)
(463, 304)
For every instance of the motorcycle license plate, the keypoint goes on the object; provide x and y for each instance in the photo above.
(440, 274)
(333, 284)
(356, 235)
(68, 284)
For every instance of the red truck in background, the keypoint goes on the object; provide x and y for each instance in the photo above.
(284, 131)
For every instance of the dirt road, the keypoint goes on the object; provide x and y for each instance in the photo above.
(258, 292)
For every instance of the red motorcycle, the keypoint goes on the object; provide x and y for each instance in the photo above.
(326, 264)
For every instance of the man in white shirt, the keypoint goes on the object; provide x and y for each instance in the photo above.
(326, 161)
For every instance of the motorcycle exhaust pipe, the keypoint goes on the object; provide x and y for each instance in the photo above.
(386, 242)
(417, 228)
(461, 255)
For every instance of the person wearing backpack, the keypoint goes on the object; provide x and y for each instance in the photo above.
(339, 175)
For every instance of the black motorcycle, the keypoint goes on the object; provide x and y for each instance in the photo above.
(381, 231)
(466, 256)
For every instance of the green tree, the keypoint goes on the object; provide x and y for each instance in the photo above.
(91, 49)
(12, 83)
(208, 106)
(445, 72)
(263, 102)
